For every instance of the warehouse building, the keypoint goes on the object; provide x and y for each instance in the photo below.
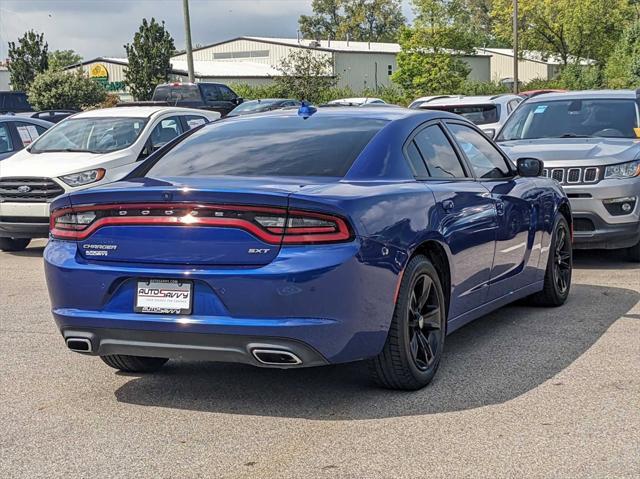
(357, 65)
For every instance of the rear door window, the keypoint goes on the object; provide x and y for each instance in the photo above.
(165, 131)
(5, 138)
(270, 146)
(441, 160)
(28, 132)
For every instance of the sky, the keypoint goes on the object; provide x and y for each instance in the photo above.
(101, 27)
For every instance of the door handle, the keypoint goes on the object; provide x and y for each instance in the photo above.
(448, 205)
(500, 208)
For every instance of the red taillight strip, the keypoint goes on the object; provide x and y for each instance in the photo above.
(168, 221)
(272, 235)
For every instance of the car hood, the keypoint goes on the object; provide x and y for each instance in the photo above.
(567, 151)
(52, 164)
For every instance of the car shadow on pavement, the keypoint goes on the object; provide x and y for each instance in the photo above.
(602, 259)
(492, 360)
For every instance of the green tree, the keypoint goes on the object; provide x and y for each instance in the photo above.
(149, 59)
(623, 67)
(58, 59)
(27, 58)
(305, 75)
(430, 59)
(56, 89)
(572, 30)
(361, 20)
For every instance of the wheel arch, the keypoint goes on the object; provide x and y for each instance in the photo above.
(439, 256)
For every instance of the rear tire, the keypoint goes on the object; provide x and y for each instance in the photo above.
(134, 364)
(557, 277)
(14, 244)
(412, 352)
(634, 253)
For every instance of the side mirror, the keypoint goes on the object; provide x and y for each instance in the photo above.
(529, 167)
(490, 132)
(237, 100)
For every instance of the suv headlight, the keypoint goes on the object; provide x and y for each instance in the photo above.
(84, 177)
(623, 170)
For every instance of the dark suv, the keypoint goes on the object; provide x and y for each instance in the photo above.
(206, 96)
(14, 102)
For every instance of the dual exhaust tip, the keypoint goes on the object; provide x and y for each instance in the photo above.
(276, 357)
(79, 345)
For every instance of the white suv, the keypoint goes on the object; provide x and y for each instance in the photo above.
(488, 112)
(85, 150)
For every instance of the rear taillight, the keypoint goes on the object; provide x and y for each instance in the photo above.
(271, 225)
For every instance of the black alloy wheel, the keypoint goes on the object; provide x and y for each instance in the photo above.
(424, 322)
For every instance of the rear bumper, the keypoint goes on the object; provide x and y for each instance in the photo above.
(325, 299)
(194, 346)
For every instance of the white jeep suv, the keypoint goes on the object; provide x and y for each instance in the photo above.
(88, 149)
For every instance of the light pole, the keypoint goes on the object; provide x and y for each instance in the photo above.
(187, 35)
(515, 47)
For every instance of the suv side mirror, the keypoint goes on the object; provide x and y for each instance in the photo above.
(237, 100)
(529, 167)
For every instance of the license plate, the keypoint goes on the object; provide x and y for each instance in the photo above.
(164, 296)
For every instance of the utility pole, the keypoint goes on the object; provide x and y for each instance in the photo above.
(187, 36)
(515, 47)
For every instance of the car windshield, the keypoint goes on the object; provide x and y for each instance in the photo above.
(270, 146)
(253, 105)
(478, 114)
(94, 135)
(605, 118)
(176, 93)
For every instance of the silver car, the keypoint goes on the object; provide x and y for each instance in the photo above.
(589, 142)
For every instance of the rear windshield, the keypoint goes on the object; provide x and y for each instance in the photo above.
(606, 118)
(478, 114)
(270, 146)
(176, 93)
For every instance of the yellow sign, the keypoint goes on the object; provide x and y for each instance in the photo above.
(99, 72)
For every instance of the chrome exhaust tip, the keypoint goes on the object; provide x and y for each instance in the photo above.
(276, 357)
(79, 345)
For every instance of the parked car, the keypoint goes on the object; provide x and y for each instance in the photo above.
(589, 143)
(92, 148)
(426, 99)
(488, 112)
(53, 116)
(532, 93)
(205, 96)
(17, 132)
(16, 103)
(334, 236)
(357, 101)
(262, 105)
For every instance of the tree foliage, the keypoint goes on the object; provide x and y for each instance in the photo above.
(572, 30)
(361, 20)
(149, 59)
(430, 59)
(58, 59)
(27, 58)
(623, 67)
(55, 89)
(304, 73)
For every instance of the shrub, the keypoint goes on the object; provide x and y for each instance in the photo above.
(58, 89)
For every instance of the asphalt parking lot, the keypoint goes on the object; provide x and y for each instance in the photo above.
(523, 392)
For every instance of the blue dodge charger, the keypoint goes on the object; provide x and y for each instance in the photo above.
(303, 238)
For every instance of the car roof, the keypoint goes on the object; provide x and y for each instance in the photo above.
(584, 95)
(26, 119)
(381, 112)
(133, 112)
(471, 100)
